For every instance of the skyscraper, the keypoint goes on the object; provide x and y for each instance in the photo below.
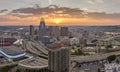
(42, 29)
(32, 31)
(59, 60)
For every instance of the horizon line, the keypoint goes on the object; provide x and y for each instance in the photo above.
(63, 25)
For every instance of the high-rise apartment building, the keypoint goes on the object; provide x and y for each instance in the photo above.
(59, 60)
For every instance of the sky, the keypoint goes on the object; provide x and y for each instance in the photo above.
(60, 12)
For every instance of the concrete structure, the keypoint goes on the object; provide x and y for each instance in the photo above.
(33, 63)
(36, 48)
(58, 60)
(18, 42)
(64, 31)
(42, 29)
(31, 31)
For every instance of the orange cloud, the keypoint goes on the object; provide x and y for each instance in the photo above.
(12, 20)
(55, 15)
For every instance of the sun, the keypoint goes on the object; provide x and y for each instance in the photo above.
(57, 21)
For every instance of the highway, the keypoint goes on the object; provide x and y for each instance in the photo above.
(81, 59)
(33, 63)
(35, 48)
(8, 64)
(40, 55)
(91, 58)
(92, 62)
(40, 52)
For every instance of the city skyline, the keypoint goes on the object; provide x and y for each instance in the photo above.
(57, 12)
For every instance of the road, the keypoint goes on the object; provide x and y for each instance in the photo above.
(35, 48)
(8, 64)
(34, 63)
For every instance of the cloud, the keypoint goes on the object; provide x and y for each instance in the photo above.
(51, 11)
(8, 18)
(71, 15)
(95, 1)
(55, 11)
(89, 9)
(104, 15)
(4, 10)
(100, 1)
(91, 2)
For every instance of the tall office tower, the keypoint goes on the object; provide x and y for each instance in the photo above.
(64, 31)
(42, 29)
(32, 31)
(53, 31)
(59, 60)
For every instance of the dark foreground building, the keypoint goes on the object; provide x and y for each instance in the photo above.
(59, 60)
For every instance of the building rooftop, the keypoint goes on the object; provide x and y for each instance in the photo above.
(58, 44)
(12, 50)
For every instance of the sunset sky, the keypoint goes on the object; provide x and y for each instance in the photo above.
(60, 12)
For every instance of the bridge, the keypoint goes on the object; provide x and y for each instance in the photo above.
(39, 52)
(35, 48)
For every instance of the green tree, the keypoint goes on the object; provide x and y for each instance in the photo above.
(78, 52)
(111, 58)
(5, 69)
(18, 70)
(93, 41)
(99, 70)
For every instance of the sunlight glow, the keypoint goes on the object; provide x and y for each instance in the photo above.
(57, 21)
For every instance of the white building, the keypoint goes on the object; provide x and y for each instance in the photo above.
(113, 67)
(74, 41)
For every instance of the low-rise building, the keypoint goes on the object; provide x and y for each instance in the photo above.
(113, 67)
(74, 41)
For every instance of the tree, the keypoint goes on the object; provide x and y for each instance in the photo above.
(5, 69)
(78, 52)
(94, 41)
(99, 70)
(111, 58)
(18, 70)
(108, 47)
